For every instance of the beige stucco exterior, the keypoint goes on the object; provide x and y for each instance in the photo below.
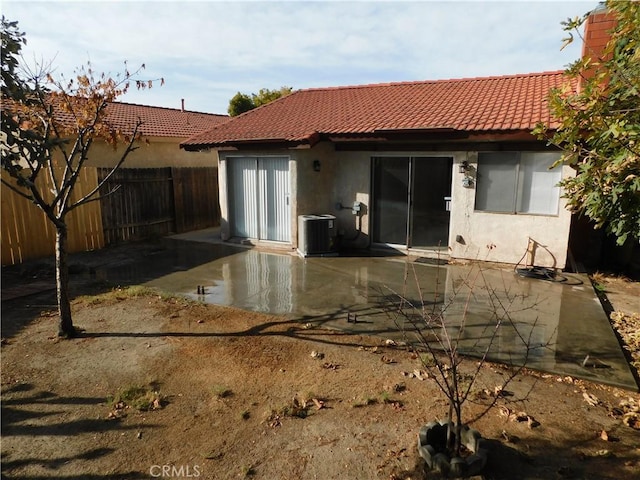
(502, 237)
(345, 177)
(155, 152)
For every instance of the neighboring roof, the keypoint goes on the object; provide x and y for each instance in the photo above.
(156, 121)
(160, 121)
(506, 103)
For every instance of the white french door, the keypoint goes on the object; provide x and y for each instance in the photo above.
(259, 198)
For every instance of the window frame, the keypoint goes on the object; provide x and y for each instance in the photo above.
(519, 188)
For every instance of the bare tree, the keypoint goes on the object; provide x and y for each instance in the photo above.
(48, 128)
(439, 327)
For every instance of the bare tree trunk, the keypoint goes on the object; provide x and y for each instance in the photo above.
(450, 419)
(458, 430)
(65, 327)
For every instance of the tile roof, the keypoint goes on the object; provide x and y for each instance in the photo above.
(161, 121)
(156, 121)
(505, 103)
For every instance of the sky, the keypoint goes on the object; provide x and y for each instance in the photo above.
(207, 51)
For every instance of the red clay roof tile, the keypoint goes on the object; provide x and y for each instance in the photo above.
(514, 102)
(156, 121)
(160, 121)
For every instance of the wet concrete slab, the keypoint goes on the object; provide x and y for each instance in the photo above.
(559, 328)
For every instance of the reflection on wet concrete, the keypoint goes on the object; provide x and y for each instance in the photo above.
(556, 325)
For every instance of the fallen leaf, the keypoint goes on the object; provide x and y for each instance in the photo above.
(330, 366)
(420, 374)
(275, 422)
(604, 453)
(590, 399)
(399, 387)
(532, 422)
(604, 435)
(505, 411)
(632, 420)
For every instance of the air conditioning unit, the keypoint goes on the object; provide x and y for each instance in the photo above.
(316, 235)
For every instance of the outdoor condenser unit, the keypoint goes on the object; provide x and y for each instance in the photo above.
(316, 235)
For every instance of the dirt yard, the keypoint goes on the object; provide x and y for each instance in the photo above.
(232, 394)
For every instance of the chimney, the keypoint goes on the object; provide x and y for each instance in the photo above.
(182, 104)
(597, 30)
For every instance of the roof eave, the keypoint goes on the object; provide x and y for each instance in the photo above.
(305, 141)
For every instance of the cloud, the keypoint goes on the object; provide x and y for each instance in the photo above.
(207, 51)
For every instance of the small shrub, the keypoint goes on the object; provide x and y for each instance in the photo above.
(248, 471)
(365, 402)
(221, 391)
(122, 293)
(293, 411)
(297, 408)
(140, 398)
(427, 360)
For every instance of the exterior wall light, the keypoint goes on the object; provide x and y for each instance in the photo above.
(316, 165)
(464, 167)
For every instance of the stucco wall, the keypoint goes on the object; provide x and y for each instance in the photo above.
(223, 196)
(159, 152)
(502, 237)
(345, 177)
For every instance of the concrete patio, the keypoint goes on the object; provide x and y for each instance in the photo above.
(562, 323)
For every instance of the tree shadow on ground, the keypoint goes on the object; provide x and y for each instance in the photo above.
(56, 463)
(28, 288)
(18, 419)
(317, 329)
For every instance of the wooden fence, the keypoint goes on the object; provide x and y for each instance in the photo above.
(148, 203)
(25, 231)
(195, 194)
(141, 207)
(156, 202)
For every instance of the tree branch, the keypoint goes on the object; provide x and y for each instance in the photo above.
(130, 148)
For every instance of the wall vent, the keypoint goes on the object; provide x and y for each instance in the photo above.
(316, 235)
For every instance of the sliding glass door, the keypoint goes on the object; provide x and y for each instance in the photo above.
(391, 197)
(411, 201)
